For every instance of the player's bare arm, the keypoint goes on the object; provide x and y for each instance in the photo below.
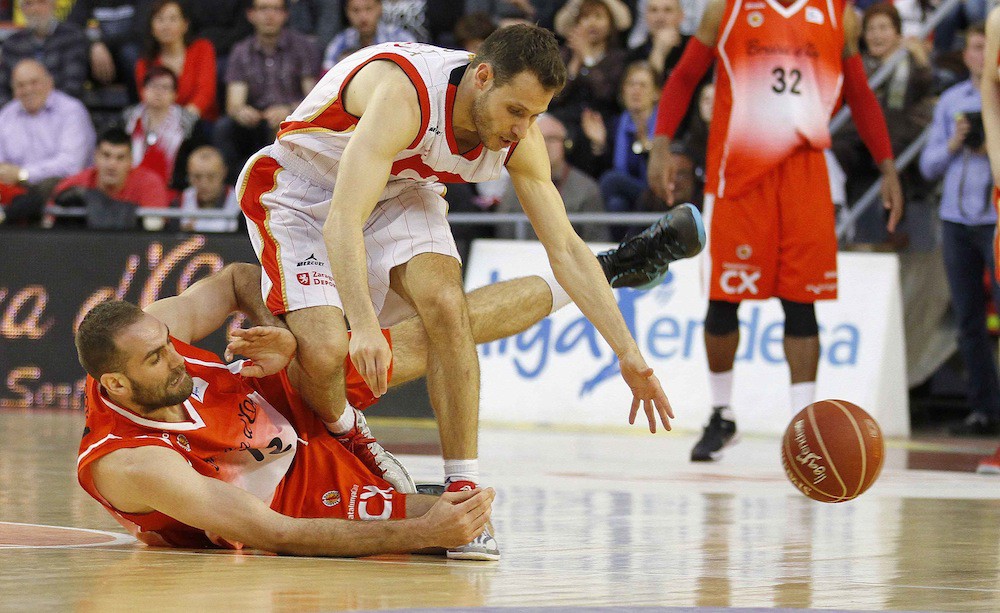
(892, 189)
(385, 100)
(203, 308)
(146, 479)
(577, 270)
(661, 169)
(990, 90)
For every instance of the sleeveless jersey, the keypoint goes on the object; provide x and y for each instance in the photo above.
(233, 433)
(778, 81)
(312, 139)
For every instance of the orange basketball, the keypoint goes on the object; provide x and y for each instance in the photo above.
(832, 451)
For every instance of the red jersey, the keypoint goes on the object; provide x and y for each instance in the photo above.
(778, 82)
(142, 187)
(253, 433)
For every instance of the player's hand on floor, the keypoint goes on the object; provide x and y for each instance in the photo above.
(371, 355)
(646, 391)
(458, 517)
(268, 349)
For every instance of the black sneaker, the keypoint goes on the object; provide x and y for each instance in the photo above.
(976, 424)
(719, 432)
(641, 261)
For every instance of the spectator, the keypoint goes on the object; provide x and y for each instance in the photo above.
(665, 43)
(267, 75)
(112, 188)
(472, 29)
(207, 175)
(169, 43)
(46, 136)
(364, 18)
(60, 47)
(955, 151)
(320, 19)
(221, 22)
(905, 98)
(579, 191)
(158, 125)
(595, 63)
(692, 10)
(624, 184)
(409, 15)
(115, 28)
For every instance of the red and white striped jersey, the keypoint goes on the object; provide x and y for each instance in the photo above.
(312, 139)
(779, 79)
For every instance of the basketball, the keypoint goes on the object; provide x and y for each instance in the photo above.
(832, 451)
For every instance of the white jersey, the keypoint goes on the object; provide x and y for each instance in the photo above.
(312, 139)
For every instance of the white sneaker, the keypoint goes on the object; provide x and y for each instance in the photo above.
(484, 548)
(359, 441)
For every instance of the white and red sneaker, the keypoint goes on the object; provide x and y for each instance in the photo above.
(990, 465)
(359, 441)
(482, 548)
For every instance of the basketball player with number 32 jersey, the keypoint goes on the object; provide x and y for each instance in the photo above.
(781, 69)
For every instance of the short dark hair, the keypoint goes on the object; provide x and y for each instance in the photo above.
(978, 27)
(883, 8)
(114, 136)
(519, 47)
(95, 338)
(156, 71)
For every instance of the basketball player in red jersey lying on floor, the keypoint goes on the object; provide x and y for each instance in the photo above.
(185, 450)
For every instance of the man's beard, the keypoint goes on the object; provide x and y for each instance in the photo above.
(479, 119)
(151, 398)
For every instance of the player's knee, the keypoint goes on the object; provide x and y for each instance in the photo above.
(445, 307)
(722, 318)
(800, 319)
(323, 355)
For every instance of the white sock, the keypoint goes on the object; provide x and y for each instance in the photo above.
(721, 386)
(803, 394)
(461, 470)
(559, 296)
(345, 423)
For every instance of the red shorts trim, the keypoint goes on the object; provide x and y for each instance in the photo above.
(779, 238)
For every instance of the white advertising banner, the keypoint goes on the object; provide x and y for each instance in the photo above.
(562, 372)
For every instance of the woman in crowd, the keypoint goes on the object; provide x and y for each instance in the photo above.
(159, 126)
(169, 43)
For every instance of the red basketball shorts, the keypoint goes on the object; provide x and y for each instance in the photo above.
(777, 239)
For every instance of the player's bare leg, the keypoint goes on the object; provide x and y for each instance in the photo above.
(722, 338)
(432, 283)
(321, 334)
(496, 311)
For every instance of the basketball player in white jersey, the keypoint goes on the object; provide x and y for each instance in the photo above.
(346, 214)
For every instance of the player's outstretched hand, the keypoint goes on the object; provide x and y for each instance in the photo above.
(660, 170)
(268, 349)
(646, 390)
(457, 517)
(892, 194)
(371, 355)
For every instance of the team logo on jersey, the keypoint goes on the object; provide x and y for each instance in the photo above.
(744, 252)
(310, 261)
(303, 278)
(739, 279)
(755, 19)
(183, 442)
(814, 15)
(199, 389)
(331, 498)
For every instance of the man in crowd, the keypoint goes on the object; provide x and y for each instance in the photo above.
(206, 172)
(46, 135)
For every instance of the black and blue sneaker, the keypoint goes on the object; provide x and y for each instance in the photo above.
(641, 261)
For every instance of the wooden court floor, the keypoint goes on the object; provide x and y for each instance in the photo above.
(586, 520)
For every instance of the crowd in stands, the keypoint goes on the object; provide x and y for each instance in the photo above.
(108, 104)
